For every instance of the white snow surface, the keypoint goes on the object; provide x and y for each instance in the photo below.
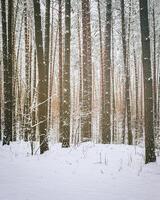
(86, 172)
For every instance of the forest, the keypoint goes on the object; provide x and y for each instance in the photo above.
(79, 83)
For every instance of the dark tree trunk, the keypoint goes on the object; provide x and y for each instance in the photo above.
(87, 73)
(66, 78)
(7, 63)
(60, 70)
(43, 82)
(27, 106)
(148, 96)
(106, 90)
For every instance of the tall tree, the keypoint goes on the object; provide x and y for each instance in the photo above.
(47, 49)
(147, 73)
(7, 63)
(60, 68)
(126, 66)
(27, 104)
(101, 55)
(106, 90)
(43, 82)
(66, 78)
(87, 73)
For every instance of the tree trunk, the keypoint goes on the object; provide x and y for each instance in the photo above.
(60, 70)
(136, 86)
(148, 96)
(80, 72)
(113, 90)
(106, 93)
(154, 76)
(27, 105)
(7, 63)
(47, 49)
(43, 82)
(87, 73)
(126, 66)
(101, 60)
(66, 78)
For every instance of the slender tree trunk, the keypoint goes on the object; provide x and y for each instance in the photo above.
(80, 71)
(43, 82)
(106, 95)
(14, 74)
(154, 76)
(34, 98)
(87, 73)
(7, 63)
(51, 71)
(47, 47)
(148, 96)
(113, 90)
(60, 71)
(126, 66)
(101, 59)
(66, 78)
(27, 104)
(136, 86)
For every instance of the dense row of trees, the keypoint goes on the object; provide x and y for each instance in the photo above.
(76, 71)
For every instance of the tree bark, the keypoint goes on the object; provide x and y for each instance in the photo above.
(27, 105)
(126, 67)
(87, 74)
(66, 78)
(43, 82)
(148, 96)
(60, 70)
(7, 63)
(106, 87)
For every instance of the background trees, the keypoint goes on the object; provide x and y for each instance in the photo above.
(67, 63)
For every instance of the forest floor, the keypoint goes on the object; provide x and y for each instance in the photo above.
(86, 172)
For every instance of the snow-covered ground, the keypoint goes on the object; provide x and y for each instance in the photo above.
(87, 172)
